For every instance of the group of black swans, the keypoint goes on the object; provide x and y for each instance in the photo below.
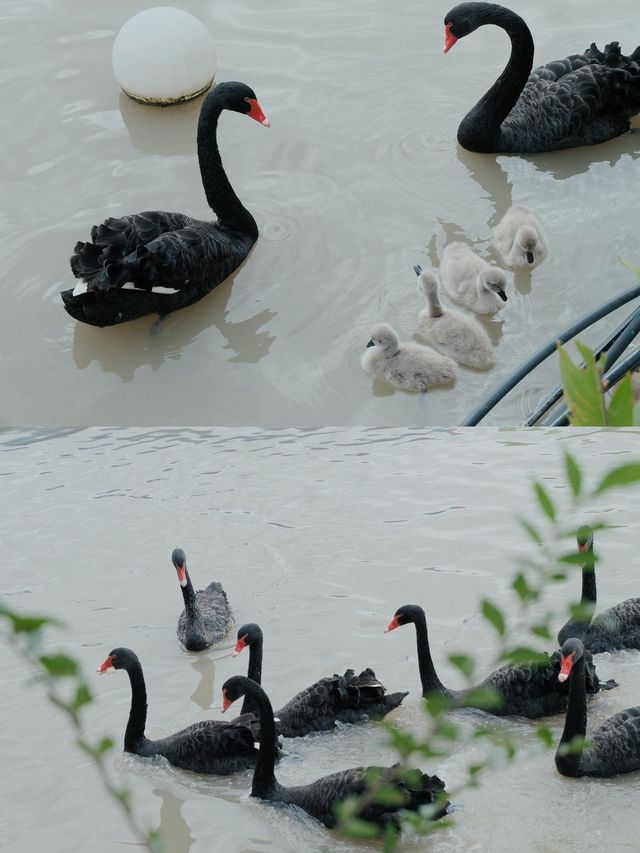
(253, 739)
(158, 262)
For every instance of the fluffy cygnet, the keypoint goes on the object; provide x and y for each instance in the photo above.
(408, 366)
(519, 239)
(471, 281)
(452, 332)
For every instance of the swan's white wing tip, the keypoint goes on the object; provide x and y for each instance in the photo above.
(81, 288)
(164, 290)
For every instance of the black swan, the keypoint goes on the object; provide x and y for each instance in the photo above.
(320, 797)
(156, 261)
(614, 747)
(615, 628)
(524, 690)
(581, 100)
(206, 617)
(347, 698)
(206, 747)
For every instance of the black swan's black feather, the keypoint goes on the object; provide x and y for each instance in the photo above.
(206, 618)
(581, 100)
(526, 690)
(347, 698)
(206, 747)
(170, 251)
(321, 797)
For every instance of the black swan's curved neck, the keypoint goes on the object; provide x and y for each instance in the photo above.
(264, 779)
(220, 195)
(589, 592)
(189, 598)
(138, 713)
(480, 128)
(428, 676)
(254, 672)
(576, 719)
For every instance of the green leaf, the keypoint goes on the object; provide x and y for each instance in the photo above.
(437, 703)
(623, 475)
(27, 624)
(357, 828)
(542, 631)
(531, 530)
(545, 501)
(574, 475)
(546, 735)
(620, 411)
(525, 655)
(483, 697)
(446, 730)
(389, 795)
(105, 745)
(403, 742)
(521, 586)
(492, 614)
(59, 666)
(83, 697)
(464, 663)
(585, 558)
(582, 388)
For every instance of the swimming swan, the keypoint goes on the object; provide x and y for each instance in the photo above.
(471, 281)
(519, 239)
(408, 366)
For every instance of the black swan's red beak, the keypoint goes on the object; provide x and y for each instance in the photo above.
(240, 645)
(449, 38)
(565, 667)
(256, 112)
(392, 625)
(226, 702)
(106, 666)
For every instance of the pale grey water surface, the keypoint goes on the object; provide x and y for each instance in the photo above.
(359, 178)
(319, 536)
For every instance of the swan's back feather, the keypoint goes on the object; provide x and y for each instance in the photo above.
(214, 620)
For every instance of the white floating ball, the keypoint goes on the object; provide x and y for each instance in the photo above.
(164, 56)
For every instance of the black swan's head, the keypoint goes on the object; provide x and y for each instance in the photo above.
(571, 652)
(404, 615)
(585, 539)
(179, 560)
(118, 659)
(235, 687)
(464, 19)
(247, 634)
(241, 99)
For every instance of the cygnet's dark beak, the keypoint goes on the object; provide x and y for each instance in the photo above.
(502, 295)
(371, 344)
(417, 269)
(530, 258)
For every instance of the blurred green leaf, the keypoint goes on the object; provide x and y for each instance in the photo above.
(526, 655)
(620, 411)
(83, 697)
(524, 591)
(446, 730)
(464, 663)
(544, 499)
(582, 388)
(542, 631)
(574, 475)
(389, 795)
(577, 559)
(483, 697)
(403, 742)
(546, 735)
(531, 531)
(623, 475)
(105, 745)
(59, 666)
(494, 615)
(358, 828)
(437, 703)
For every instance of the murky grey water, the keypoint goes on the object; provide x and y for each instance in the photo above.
(358, 179)
(320, 536)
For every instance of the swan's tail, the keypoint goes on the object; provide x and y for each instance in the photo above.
(625, 77)
(367, 694)
(421, 790)
(102, 269)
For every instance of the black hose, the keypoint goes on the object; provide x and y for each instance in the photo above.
(544, 352)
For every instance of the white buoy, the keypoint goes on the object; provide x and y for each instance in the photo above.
(164, 56)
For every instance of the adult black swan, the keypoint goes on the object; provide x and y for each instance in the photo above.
(206, 747)
(612, 748)
(347, 698)
(581, 100)
(320, 797)
(157, 262)
(206, 617)
(615, 628)
(531, 690)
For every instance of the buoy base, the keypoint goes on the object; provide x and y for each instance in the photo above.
(167, 102)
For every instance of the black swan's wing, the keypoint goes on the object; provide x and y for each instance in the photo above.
(615, 628)
(347, 698)
(583, 99)
(320, 797)
(615, 746)
(209, 747)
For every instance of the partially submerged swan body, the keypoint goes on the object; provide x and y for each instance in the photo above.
(525, 690)
(470, 281)
(320, 798)
(583, 99)
(157, 262)
(519, 239)
(209, 746)
(615, 628)
(451, 332)
(206, 618)
(612, 748)
(347, 698)
(408, 366)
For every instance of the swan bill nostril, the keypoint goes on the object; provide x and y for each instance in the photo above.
(449, 38)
